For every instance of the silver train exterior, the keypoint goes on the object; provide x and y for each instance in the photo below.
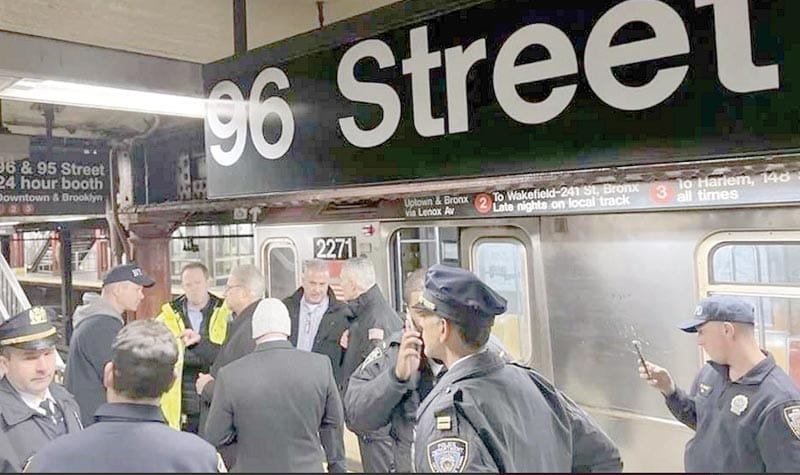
(582, 287)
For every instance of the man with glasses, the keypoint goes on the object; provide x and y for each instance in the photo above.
(246, 286)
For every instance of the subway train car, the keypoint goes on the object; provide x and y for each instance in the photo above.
(581, 285)
(603, 165)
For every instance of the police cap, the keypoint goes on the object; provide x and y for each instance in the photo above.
(719, 308)
(459, 295)
(128, 272)
(31, 329)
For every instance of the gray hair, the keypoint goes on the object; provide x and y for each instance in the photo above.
(251, 278)
(144, 354)
(361, 270)
(315, 265)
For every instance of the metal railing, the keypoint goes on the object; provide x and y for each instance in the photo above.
(12, 298)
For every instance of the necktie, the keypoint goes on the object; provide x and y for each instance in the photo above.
(46, 405)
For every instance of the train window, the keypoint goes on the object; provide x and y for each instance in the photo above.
(763, 269)
(423, 246)
(757, 263)
(281, 268)
(219, 247)
(500, 262)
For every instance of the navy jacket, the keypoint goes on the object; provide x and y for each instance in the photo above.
(750, 425)
(485, 415)
(127, 438)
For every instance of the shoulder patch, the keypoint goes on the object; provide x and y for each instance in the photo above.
(375, 334)
(374, 355)
(792, 416)
(448, 455)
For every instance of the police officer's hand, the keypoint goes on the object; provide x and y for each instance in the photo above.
(202, 380)
(190, 337)
(659, 378)
(409, 356)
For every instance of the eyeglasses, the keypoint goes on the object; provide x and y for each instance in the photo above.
(229, 287)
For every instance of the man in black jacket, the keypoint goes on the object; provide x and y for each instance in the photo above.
(318, 322)
(373, 320)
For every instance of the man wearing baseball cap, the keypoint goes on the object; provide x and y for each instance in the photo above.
(33, 409)
(744, 409)
(486, 415)
(95, 328)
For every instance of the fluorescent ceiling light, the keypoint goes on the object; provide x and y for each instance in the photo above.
(101, 97)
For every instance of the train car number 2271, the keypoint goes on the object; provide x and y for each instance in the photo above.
(335, 247)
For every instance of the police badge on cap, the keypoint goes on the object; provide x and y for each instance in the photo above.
(30, 329)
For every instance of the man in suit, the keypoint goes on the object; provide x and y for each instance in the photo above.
(318, 322)
(246, 286)
(33, 409)
(275, 401)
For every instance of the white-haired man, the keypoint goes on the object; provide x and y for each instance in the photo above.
(275, 401)
(371, 321)
(245, 287)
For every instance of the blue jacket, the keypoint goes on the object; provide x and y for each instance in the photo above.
(127, 438)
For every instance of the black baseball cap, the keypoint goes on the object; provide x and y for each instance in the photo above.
(720, 308)
(128, 272)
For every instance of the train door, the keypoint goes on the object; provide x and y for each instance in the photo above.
(281, 266)
(503, 256)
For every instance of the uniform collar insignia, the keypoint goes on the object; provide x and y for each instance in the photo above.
(448, 455)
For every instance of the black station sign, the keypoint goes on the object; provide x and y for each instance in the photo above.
(507, 87)
(68, 181)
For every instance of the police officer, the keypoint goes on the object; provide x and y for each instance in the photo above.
(377, 401)
(485, 414)
(129, 433)
(34, 410)
(744, 409)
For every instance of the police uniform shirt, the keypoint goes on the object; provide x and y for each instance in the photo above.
(750, 425)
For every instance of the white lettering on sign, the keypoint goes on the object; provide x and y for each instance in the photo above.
(230, 117)
(721, 190)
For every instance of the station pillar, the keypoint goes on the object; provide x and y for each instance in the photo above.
(17, 251)
(101, 240)
(151, 252)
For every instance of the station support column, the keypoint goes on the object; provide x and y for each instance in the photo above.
(151, 251)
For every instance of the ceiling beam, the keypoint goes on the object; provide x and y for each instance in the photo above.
(24, 56)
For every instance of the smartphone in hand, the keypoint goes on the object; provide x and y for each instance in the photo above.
(638, 347)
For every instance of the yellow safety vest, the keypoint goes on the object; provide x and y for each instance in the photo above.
(217, 331)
